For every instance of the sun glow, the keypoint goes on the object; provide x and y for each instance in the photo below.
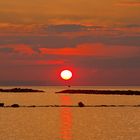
(66, 74)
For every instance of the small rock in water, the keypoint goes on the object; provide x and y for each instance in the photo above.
(1, 104)
(15, 105)
(81, 104)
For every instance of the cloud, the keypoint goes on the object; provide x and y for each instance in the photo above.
(105, 62)
(99, 50)
(132, 26)
(58, 41)
(44, 28)
(80, 50)
(133, 29)
(24, 49)
(5, 50)
(10, 28)
(66, 28)
(61, 28)
(129, 4)
(68, 35)
(117, 64)
(109, 40)
(50, 62)
(18, 48)
(37, 41)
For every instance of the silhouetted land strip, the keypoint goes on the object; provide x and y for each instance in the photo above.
(20, 90)
(79, 104)
(75, 106)
(103, 92)
(1, 104)
(15, 105)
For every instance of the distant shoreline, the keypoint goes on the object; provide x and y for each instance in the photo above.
(20, 90)
(75, 91)
(102, 92)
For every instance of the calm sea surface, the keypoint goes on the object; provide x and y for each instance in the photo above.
(69, 123)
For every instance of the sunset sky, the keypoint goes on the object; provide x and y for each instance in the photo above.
(99, 41)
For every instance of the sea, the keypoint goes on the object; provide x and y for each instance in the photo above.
(52, 116)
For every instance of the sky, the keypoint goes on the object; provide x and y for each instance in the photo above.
(99, 41)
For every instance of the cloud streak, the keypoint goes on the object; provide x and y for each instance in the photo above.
(99, 50)
(50, 62)
(129, 4)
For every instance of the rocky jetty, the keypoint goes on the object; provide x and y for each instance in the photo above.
(104, 92)
(20, 90)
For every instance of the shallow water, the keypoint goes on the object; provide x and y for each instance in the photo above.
(54, 123)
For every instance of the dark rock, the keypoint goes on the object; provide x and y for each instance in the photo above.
(1, 104)
(15, 105)
(81, 104)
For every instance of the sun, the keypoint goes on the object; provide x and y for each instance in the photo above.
(66, 74)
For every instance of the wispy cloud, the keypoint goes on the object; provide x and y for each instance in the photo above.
(70, 28)
(50, 62)
(129, 4)
(97, 50)
(46, 29)
(24, 49)
(17, 48)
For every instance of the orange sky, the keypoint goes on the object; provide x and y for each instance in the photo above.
(70, 11)
(38, 38)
